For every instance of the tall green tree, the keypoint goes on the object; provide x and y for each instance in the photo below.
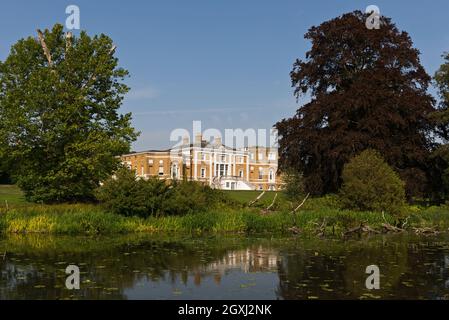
(60, 125)
(367, 89)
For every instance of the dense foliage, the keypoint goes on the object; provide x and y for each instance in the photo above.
(370, 184)
(130, 196)
(294, 184)
(441, 155)
(59, 122)
(368, 89)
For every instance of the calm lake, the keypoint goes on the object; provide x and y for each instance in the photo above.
(224, 267)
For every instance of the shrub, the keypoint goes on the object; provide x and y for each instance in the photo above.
(294, 184)
(188, 197)
(185, 198)
(126, 195)
(370, 184)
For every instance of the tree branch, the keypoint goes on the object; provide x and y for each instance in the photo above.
(44, 47)
(93, 75)
(257, 199)
(272, 204)
(302, 203)
(68, 44)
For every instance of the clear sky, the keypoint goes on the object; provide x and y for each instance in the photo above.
(223, 62)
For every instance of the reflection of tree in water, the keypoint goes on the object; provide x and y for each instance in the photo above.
(327, 269)
(108, 270)
(336, 270)
(429, 274)
(301, 271)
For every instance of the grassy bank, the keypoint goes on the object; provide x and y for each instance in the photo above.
(317, 215)
(85, 219)
(11, 195)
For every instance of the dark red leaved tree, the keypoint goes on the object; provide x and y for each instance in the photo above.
(368, 89)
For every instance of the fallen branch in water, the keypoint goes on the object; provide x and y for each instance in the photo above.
(302, 203)
(370, 230)
(425, 231)
(389, 228)
(362, 228)
(353, 230)
(257, 199)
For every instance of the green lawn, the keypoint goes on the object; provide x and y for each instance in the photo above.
(245, 197)
(11, 194)
(14, 196)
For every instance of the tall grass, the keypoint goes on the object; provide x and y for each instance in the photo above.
(67, 219)
(81, 219)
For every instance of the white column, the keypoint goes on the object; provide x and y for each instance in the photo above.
(247, 168)
(211, 173)
(195, 170)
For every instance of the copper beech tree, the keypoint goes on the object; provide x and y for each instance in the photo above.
(367, 89)
(441, 155)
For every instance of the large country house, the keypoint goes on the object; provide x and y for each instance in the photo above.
(221, 167)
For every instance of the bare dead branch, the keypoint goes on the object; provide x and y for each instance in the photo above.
(389, 228)
(68, 43)
(44, 47)
(257, 199)
(112, 51)
(272, 204)
(301, 204)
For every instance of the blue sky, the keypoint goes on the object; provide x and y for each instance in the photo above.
(223, 62)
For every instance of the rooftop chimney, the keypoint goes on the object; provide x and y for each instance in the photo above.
(198, 139)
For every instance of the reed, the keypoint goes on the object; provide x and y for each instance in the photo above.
(85, 219)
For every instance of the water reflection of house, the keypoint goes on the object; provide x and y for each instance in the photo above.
(250, 260)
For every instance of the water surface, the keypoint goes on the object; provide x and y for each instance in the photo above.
(224, 267)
